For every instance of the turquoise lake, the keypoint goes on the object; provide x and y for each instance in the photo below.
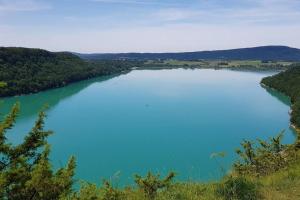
(158, 120)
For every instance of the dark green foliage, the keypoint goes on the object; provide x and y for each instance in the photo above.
(24, 71)
(265, 157)
(152, 183)
(25, 170)
(288, 82)
(237, 188)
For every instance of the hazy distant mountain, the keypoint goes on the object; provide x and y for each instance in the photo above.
(283, 53)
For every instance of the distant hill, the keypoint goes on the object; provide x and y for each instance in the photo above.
(274, 53)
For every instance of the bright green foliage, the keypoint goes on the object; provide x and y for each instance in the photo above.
(3, 84)
(237, 188)
(152, 183)
(265, 157)
(25, 170)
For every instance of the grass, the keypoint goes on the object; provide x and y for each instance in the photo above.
(282, 185)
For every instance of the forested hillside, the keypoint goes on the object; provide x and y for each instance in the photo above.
(24, 71)
(288, 82)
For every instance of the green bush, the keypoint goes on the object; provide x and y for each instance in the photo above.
(237, 188)
(25, 169)
(264, 157)
(111, 193)
(152, 183)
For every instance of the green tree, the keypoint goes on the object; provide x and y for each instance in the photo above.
(152, 183)
(25, 170)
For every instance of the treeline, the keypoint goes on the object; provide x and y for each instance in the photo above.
(24, 70)
(288, 82)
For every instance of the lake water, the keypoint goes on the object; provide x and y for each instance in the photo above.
(158, 120)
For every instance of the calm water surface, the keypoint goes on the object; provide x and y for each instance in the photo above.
(158, 120)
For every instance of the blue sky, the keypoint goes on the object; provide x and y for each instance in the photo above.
(148, 25)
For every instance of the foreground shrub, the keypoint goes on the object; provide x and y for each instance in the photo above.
(25, 170)
(111, 193)
(264, 157)
(237, 188)
(89, 191)
(152, 183)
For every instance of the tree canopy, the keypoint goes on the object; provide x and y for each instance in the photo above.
(25, 170)
(288, 82)
(24, 70)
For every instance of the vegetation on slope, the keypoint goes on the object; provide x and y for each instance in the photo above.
(288, 82)
(24, 71)
(267, 170)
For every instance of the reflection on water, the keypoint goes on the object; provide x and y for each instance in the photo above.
(281, 97)
(32, 104)
(284, 99)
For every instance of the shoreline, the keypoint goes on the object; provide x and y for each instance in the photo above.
(292, 125)
(66, 84)
(125, 72)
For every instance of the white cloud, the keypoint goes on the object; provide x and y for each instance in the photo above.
(170, 38)
(266, 22)
(22, 5)
(135, 2)
(175, 14)
(263, 11)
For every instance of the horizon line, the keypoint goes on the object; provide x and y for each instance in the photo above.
(170, 52)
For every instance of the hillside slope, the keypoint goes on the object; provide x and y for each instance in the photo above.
(282, 53)
(24, 70)
(288, 82)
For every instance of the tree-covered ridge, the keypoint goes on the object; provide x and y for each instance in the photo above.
(24, 70)
(288, 82)
(274, 53)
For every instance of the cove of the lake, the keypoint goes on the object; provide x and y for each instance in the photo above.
(155, 120)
